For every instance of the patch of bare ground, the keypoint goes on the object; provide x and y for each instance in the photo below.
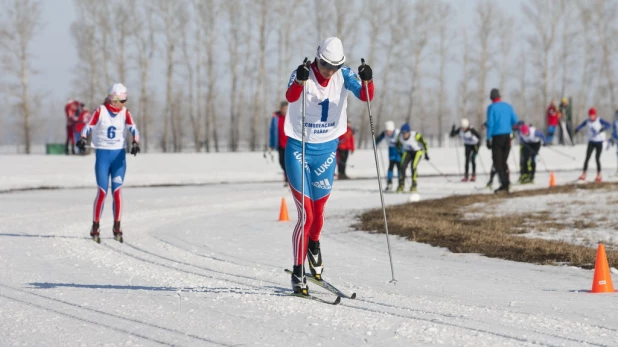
(441, 223)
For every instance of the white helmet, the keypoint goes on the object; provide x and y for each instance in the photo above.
(331, 51)
(117, 92)
(389, 125)
(465, 123)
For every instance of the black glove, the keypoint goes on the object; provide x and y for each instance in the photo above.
(426, 156)
(365, 73)
(489, 144)
(81, 144)
(134, 148)
(302, 73)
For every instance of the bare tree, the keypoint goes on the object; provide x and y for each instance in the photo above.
(505, 44)
(234, 42)
(603, 19)
(171, 14)
(208, 13)
(464, 84)
(421, 25)
(191, 78)
(21, 23)
(444, 15)
(143, 23)
(544, 17)
(589, 65)
(88, 78)
(485, 33)
(568, 38)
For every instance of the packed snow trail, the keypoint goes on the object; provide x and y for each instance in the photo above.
(204, 266)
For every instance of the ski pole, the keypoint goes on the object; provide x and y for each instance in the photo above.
(562, 153)
(438, 170)
(302, 204)
(375, 154)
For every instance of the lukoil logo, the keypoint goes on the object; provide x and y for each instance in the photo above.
(299, 156)
(329, 161)
(323, 184)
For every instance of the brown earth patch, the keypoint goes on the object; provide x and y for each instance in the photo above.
(439, 222)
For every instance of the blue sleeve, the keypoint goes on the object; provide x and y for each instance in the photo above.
(379, 138)
(579, 127)
(273, 133)
(514, 119)
(351, 81)
(490, 122)
(615, 130)
(540, 135)
(605, 124)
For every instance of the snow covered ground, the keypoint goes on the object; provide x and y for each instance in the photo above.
(203, 264)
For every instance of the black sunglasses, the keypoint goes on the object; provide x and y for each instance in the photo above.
(329, 66)
(123, 101)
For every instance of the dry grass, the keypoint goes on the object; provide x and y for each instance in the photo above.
(440, 223)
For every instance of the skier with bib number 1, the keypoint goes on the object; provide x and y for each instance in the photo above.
(108, 125)
(327, 82)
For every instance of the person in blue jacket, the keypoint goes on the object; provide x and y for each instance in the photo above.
(278, 139)
(596, 136)
(390, 134)
(501, 119)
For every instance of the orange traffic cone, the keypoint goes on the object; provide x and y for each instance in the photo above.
(283, 211)
(552, 179)
(602, 282)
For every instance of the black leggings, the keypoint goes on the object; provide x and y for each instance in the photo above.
(392, 165)
(282, 160)
(598, 146)
(527, 160)
(471, 152)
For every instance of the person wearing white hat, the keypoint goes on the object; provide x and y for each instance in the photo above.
(471, 139)
(327, 82)
(107, 125)
(391, 134)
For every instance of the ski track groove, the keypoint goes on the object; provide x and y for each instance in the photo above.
(133, 320)
(445, 315)
(412, 317)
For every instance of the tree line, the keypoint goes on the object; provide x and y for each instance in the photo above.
(206, 75)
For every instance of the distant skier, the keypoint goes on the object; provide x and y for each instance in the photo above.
(471, 139)
(327, 82)
(614, 139)
(413, 145)
(107, 125)
(278, 139)
(390, 134)
(596, 136)
(530, 139)
(501, 119)
(345, 148)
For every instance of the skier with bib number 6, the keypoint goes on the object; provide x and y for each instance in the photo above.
(107, 125)
(327, 83)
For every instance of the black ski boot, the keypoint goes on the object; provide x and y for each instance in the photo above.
(94, 232)
(299, 281)
(315, 259)
(117, 232)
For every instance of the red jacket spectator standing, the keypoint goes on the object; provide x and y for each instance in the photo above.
(70, 109)
(346, 145)
(552, 121)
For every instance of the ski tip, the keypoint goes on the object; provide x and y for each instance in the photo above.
(353, 296)
(337, 301)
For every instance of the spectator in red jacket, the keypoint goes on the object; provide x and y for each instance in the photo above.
(346, 146)
(70, 110)
(82, 119)
(552, 121)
